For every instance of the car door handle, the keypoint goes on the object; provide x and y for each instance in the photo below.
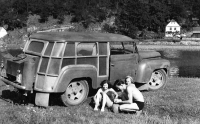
(112, 64)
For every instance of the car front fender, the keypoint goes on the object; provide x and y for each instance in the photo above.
(146, 67)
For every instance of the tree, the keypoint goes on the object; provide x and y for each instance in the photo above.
(177, 11)
(158, 13)
(134, 16)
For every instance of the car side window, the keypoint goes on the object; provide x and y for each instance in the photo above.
(36, 46)
(86, 49)
(57, 49)
(69, 49)
(119, 48)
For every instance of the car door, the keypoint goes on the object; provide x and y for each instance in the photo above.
(123, 62)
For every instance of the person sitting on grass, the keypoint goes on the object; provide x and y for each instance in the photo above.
(129, 80)
(135, 100)
(105, 95)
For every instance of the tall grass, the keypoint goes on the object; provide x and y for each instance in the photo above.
(177, 103)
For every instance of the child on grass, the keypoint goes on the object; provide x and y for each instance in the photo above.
(104, 95)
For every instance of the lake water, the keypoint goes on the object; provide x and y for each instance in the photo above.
(183, 63)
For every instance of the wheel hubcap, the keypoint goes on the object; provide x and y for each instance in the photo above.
(156, 79)
(75, 91)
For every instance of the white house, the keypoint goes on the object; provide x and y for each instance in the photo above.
(3, 32)
(172, 29)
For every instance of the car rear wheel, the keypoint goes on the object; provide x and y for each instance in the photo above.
(158, 80)
(76, 93)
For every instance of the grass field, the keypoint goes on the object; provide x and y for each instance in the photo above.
(177, 103)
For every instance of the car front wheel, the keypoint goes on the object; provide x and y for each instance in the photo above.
(158, 80)
(76, 93)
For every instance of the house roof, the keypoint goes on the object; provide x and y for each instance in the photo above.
(3, 32)
(2, 29)
(173, 23)
(195, 19)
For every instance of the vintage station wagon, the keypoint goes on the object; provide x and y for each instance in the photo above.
(71, 63)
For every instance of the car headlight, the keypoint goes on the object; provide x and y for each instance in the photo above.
(19, 77)
(2, 69)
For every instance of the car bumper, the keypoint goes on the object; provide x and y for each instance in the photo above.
(12, 83)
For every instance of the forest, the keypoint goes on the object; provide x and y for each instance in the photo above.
(115, 16)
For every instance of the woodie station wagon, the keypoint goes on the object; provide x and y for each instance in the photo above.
(71, 63)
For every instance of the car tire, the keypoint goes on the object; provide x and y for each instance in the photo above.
(75, 93)
(158, 80)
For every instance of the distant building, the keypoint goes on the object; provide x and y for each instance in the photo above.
(195, 22)
(3, 32)
(172, 29)
(196, 32)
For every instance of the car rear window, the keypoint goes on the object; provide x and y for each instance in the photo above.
(36, 46)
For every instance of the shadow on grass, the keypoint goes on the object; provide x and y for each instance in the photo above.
(16, 97)
(55, 98)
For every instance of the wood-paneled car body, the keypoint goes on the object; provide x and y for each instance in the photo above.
(72, 63)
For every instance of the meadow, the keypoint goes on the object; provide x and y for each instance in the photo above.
(177, 103)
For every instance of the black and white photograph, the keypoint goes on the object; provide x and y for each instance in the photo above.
(99, 61)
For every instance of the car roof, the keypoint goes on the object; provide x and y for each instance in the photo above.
(79, 36)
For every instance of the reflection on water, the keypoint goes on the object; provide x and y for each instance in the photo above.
(174, 71)
(183, 63)
(171, 54)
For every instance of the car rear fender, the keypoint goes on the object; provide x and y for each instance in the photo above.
(146, 67)
(71, 72)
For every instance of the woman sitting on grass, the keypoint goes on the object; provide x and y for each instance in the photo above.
(105, 95)
(129, 80)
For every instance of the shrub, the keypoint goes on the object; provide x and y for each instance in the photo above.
(16, 37)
